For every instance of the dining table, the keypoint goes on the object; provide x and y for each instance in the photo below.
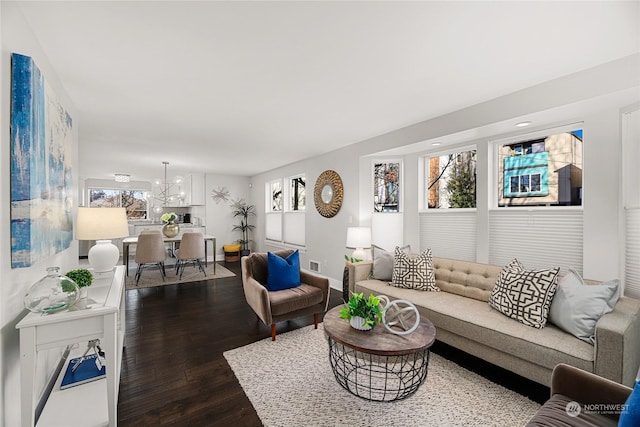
(133, 240)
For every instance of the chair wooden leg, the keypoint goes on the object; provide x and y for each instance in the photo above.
(315, 320)
(273, 332)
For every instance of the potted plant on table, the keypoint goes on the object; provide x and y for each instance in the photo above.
(362, 313)
(244, 211)
(83, 279)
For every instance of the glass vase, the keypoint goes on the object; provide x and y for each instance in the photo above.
(52, 293)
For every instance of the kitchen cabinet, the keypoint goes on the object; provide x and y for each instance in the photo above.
(195, 189)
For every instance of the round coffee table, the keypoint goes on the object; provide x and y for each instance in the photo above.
(376, 364)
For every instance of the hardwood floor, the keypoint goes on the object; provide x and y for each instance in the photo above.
(173, 370)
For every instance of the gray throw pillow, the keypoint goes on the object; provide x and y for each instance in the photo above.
(383, 262)
(576, 307)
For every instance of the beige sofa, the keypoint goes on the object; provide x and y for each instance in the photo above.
(464, 319)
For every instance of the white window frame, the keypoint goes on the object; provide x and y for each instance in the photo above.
(423, 172)
(285, 227)
(400, 185)
(494, 166)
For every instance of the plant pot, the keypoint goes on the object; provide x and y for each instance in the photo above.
(171, 229)
(83, 292)
(357, 322)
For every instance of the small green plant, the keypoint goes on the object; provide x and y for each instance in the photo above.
(169, 217)
(81, 276)
(367, 308)
(352, 259)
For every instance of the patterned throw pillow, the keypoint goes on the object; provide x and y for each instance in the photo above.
(414, 272)
(525, 295)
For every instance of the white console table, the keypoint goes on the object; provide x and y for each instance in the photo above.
(102, 316)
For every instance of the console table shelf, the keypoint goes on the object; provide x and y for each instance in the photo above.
(102, 316)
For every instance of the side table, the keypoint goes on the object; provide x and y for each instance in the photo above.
(103, 318)
(378, 365)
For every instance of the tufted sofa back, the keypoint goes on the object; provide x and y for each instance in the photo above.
(464, 278)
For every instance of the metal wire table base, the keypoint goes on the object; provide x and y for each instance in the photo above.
(375, 377)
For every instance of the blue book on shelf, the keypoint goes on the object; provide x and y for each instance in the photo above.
(85, 372)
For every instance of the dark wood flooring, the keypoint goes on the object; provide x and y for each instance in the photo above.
(174, 373)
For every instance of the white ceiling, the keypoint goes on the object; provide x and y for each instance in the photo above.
(245, 87)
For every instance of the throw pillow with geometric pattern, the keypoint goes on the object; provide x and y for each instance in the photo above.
(413, 272)
(525, 295)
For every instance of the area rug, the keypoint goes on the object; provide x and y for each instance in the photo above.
(290, 383)
(151, 276)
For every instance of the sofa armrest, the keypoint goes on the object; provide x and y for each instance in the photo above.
(359, 271)
(617, 346)
(318, 282)
(585, 387)
(258, 298)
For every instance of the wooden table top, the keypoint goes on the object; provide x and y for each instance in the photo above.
(378, 341)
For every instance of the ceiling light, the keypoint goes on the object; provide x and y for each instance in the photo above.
(169, 192)
(523, 124)
(123, 177)
(436, 144)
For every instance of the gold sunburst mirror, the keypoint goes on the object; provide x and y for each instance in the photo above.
(328, 193)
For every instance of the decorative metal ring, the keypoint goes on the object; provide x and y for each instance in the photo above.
(397, 314)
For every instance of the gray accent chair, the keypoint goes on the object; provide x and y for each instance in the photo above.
(570, 385)
(311, 297)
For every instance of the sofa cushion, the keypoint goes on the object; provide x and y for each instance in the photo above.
(283, 273)
(292, 299)
(414, 271)
(577, 307)
(469, 279)
(554, 413)
(383, 262)
(524, 295)
(477, 321)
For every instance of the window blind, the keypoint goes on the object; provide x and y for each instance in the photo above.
(632, 253)
(294, 228)
(538, 238)
(273, 226)
(449, 234)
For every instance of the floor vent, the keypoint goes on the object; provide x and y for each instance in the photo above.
(314, 266)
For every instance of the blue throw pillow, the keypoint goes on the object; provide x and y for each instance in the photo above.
(630, 416)
(283, 273)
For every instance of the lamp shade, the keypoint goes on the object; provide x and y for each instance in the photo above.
(101, 223)
(358, 237)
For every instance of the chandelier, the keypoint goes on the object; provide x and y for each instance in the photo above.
(166, 193)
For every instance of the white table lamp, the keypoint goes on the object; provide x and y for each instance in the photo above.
(359, 238)
(102, 225)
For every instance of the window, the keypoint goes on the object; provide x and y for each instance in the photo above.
(451, 180)
(276, 196)
(133, 200)
(297, 189)
(543, 171)
(285, 223)
(386, 187)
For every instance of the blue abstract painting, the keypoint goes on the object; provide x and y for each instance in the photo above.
(41, 155)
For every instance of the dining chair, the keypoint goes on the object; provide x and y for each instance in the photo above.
(150, 249)
(191, 250)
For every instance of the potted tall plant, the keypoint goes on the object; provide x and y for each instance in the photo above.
(244, 211)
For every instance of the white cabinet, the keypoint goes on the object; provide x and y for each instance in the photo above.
(195, 189)
(102, 317)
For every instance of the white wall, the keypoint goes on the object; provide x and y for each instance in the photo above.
(218, 217)
(594, 96)
(16, 36)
